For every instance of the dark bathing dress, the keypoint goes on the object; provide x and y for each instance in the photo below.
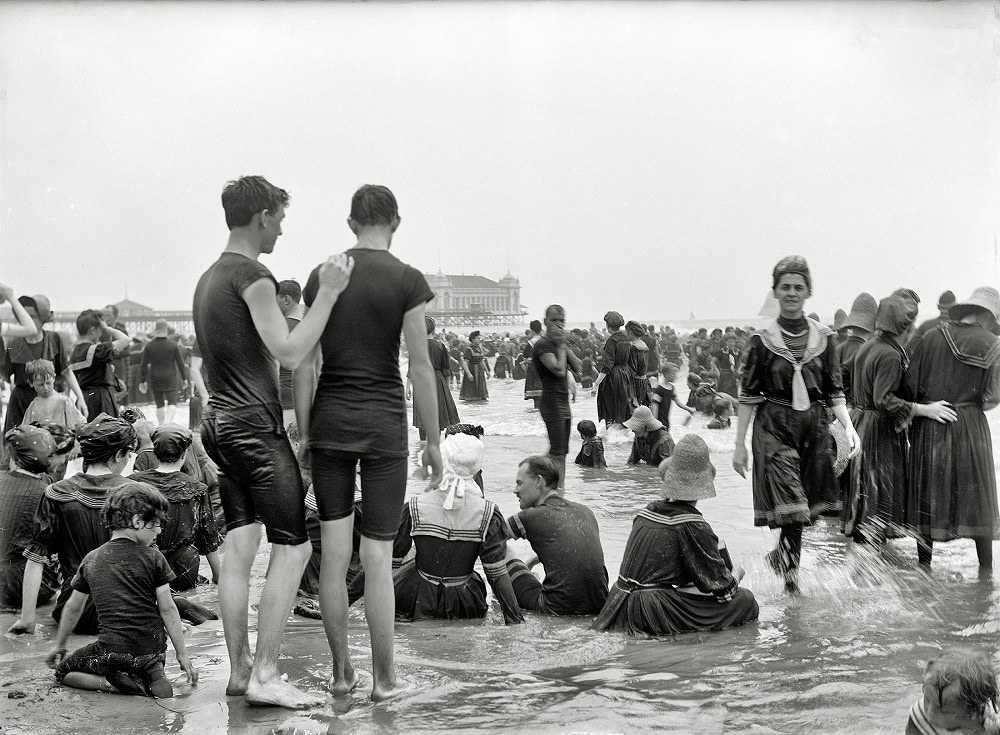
(876, 485)
(440, 582)
(474, 388)
(615, 397)
(441, 362)
(189, 532)
(671, 545)
(793, 478)
(638, 358)
(532, 383)
(953, 492)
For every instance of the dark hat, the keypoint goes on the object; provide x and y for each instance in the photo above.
(170, 440)
(791, 264)
(470, 429)
(104, 437)
(946, 301)
(633, 327)
(31, 447)
(614, 320)
(688, 474)
(907, 293)
(895, 315)
(473, 334)
(863, 311)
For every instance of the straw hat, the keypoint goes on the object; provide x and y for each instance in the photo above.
(688, 474)
(643, 420)
(162, 329)
(863, 312)
(984, 297)
(838, 320)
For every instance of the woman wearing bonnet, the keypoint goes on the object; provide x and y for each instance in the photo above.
(789, 376)
(451, 526)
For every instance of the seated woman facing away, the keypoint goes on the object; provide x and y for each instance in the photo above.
(676, 575)
(451, 526)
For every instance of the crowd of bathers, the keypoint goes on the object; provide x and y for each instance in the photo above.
(856, 419)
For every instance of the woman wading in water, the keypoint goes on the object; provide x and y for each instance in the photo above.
(790, 374)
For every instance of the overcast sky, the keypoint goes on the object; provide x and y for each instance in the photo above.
(654, 158)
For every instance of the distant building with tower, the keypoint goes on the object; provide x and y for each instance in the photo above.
(462, 300)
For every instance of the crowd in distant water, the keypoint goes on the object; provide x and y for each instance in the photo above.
(297, 427)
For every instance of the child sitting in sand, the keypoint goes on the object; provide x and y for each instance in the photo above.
(959, 696)
(130, 583)
(592, 450)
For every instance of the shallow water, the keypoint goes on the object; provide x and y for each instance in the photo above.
(845, 656)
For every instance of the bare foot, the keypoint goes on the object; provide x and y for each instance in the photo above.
(344, 686)
(239, 677)
(383, 693)
(278, 693)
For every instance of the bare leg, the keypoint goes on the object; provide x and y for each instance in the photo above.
(234, 599)
(93, 682)
(337, 537)
(560, 461)
(380, 612)
(161, 415)
(266, 686)
(171, 412)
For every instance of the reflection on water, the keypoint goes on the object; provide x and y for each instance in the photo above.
(844, 656)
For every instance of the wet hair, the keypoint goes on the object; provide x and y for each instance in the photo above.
(291, 289)
(587, 429)
(972, 670)
(541, 466)
(87, 321)
(248, 195)
(39, 369)
(133, 498)
(374, 205)
(535, 326)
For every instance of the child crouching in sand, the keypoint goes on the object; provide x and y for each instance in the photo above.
(130, 583)
(959, 696)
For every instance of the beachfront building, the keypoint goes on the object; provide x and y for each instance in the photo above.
(475, 300)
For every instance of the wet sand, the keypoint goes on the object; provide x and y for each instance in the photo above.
(844, 657)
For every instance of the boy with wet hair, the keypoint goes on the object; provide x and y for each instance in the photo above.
(130, 583)
(959, 688)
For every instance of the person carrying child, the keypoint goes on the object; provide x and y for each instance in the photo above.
(129, 582)
(652, 443)
(592, 450)
(959, 696)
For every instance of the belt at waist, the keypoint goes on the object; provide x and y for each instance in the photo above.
(632, 585)
(444, 581)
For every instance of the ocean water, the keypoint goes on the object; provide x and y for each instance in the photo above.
(844, 656)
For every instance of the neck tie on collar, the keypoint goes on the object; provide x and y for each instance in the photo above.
(800, 396)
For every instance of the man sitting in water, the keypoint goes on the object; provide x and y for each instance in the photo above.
(567, 541)
(959, 687)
